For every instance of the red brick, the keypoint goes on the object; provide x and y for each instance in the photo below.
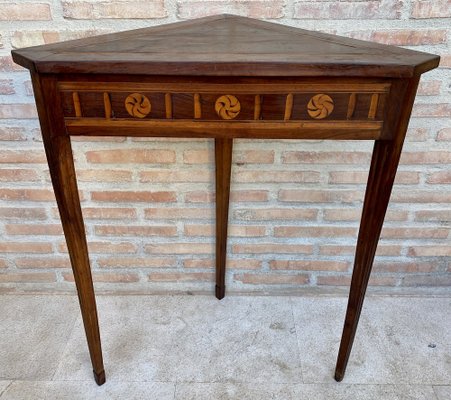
(128, 196)
(131, 156)
(108, 213)
(25, 11)
(346, 280)
(95, 175)
(105, 247)
(27, 195)
(382, 250)
(18, 111)
(314, 231)
(432, 110)
(22, 213)
(417, 134)
(42, 262)
(6, 87)
(412, 233)
(439, 177)
(25, 247)
(178, 213)
(444, 135)
(445, 61)
(429, 88)
(361, 177)
(408, 37)
(272, 279)
(41, 229)
(203, 263)
(180, 248)
(12, 133)
(428, 157)
(360, 10)
(320, 196)
(181, 277)
(7, 65)
(107, 277)
(20, 39)
(19, 175)
(29, 277)
(253, 157)
(332, 157)
(233, 230)
(431, 9)
(272, 248)
(167, 176)
(276, 176)
(115, 230)
(231, 264)
(103, 139)
(405, 267)
(198, 157)
(3, 263)
(137, 262)
(421, 197)
(267, 214)
(426, 280)
(189, 9)
(346, 214)
(433, 215)
(89, 9)
(22, 156)
(304, 265)
(430, 251)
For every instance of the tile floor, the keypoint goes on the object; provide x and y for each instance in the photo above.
(243, 347)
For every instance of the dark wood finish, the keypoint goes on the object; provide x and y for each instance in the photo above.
(224, 77)
(382, 173)
(223, 162)
(62, 172)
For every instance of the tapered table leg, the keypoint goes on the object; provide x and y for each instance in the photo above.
(223, 162)
(382, 173)
(62, 171)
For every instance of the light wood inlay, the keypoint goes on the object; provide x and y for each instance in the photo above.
(373, 106)
(257, 107)
(351, 105)
(107, 105)
(288, 107)
(168, 105)
(227, 106)
(77, 105)
(197, 106)
(137, 105)
(320, 106)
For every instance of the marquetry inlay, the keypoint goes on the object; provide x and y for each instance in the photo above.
(137, 105)
(227, 106)
(320, 106)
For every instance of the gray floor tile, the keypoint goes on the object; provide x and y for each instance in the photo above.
(340, 391)
(33, 333)
(232, 391)
(191, 339)
(3, 386)
(399, 340)
(443, 392)
(29, 390)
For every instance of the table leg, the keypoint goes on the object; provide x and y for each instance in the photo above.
(223, 162)
(62, 171)
(382, 173)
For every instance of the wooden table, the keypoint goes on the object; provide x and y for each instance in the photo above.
(224, 77)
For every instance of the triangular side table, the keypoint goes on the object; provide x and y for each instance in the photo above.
(224, 77)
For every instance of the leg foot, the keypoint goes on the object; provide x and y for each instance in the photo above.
(99, 377)
(339, 375)
(220, 292)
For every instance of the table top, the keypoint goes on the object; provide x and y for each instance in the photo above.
(225, 45)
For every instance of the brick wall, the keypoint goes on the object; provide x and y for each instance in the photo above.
(148, 204)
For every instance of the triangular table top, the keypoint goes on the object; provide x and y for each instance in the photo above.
(225, 45)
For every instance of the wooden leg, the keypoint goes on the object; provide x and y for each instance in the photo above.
(65, 186)
(223, 161)
(382, 173)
